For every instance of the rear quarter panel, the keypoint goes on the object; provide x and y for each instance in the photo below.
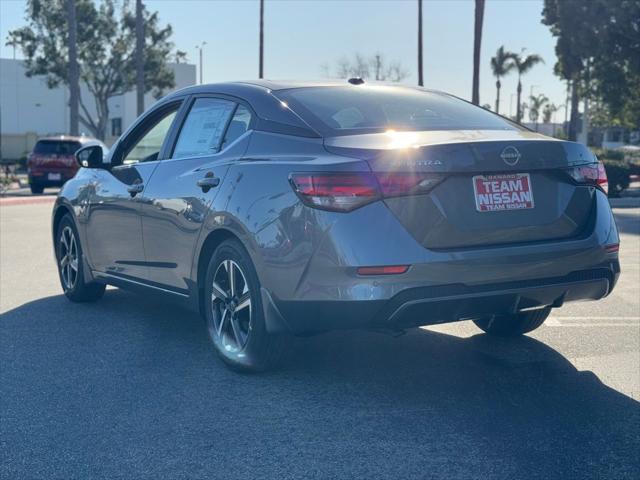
(258, 205)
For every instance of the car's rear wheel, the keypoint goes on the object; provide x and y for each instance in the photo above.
(515, 324)
(234, 313)
(36, 188)
(70, 265)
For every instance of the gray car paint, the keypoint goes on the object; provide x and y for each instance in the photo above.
(304, 255)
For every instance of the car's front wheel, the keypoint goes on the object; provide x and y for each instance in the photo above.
(234, 314)
(514, 324)
(70, 265)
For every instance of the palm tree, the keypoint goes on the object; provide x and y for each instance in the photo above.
(548, 113)
(477, 40)
(501, 65)
(523, 64)
(74, 70)
(549, 110)
(139, 57)
(536, 104)
(420, 78)
(261, 61)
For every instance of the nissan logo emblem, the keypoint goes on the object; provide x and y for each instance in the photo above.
(510, 155)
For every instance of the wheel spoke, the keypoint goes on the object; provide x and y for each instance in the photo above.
(237, 333)
(223, 318)
(243, 302)
(65, 242)
(218, 292)
(74, 264)
(232, 277)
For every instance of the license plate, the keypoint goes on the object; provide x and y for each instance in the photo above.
(54, 176)
(503, 192)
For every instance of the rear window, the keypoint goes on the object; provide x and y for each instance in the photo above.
(370, 109)
(56, 147)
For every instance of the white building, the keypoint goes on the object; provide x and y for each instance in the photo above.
(29, 109)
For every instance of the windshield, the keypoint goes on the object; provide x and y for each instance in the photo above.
(56, 147)
(370, 109)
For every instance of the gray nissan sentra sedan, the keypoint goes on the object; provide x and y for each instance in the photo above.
(275, 208)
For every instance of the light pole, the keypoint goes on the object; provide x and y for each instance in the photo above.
(200, 48)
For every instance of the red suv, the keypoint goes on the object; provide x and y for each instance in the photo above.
(52, 162)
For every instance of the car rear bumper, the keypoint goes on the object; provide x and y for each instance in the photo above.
(55, 177)
(441, 304)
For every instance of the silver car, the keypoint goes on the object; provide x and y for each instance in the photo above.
(286, 208)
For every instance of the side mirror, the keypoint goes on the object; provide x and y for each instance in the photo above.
(91, 156)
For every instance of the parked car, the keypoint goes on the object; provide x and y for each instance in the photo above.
(276, 208)
(52, 161)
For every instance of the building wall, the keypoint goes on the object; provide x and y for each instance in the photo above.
(29, 109)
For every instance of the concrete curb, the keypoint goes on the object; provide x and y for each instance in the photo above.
(625, 202)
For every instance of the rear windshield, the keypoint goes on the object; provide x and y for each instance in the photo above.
(56, 147)
(370, 109)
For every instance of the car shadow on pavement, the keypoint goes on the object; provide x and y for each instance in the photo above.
(130, 387)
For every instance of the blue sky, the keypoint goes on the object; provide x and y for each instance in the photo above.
(301, 35)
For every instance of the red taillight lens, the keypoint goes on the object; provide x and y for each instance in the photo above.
(593, 174)
(347, 191)
(338, 192)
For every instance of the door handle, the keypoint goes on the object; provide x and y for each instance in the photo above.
(135, 189)
(208, 182)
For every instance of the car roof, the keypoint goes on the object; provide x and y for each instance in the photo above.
(266, 86)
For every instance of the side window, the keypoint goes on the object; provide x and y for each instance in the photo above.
(238, 125)
(147, 147)
(201, 133)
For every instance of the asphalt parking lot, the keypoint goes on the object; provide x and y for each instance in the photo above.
(130, 388)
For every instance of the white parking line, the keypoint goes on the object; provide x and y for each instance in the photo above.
(592, 321)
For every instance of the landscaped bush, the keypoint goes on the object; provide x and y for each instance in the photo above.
(618, 173)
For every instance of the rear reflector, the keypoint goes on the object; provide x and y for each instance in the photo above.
(613, 248)
(388, 270)
(347, 191)
(593, 174)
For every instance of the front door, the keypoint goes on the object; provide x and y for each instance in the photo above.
(184, 186)
(114, 226)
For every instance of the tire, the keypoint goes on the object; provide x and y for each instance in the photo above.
(71, 267)
(235, 319)
(36, 189)
(515, 324)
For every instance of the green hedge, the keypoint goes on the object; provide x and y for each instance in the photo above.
(618, 173)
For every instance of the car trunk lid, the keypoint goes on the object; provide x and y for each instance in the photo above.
(490, 188)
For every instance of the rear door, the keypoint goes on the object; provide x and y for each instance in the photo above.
(113, 224)
(183, 188)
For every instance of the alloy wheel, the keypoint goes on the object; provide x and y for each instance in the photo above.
(68, 258)
(231, 306)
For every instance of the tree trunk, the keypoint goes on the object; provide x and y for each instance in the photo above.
(518, 106)
(420, 77)
(74, 71)
(498, 85)
(139, 57)
(261, 61)
(573, 121)
(477, 40)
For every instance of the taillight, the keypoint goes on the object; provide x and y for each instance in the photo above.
(593, 174)
(347, 191)
(336, 191)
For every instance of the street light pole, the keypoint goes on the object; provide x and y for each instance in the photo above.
(200, 48)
